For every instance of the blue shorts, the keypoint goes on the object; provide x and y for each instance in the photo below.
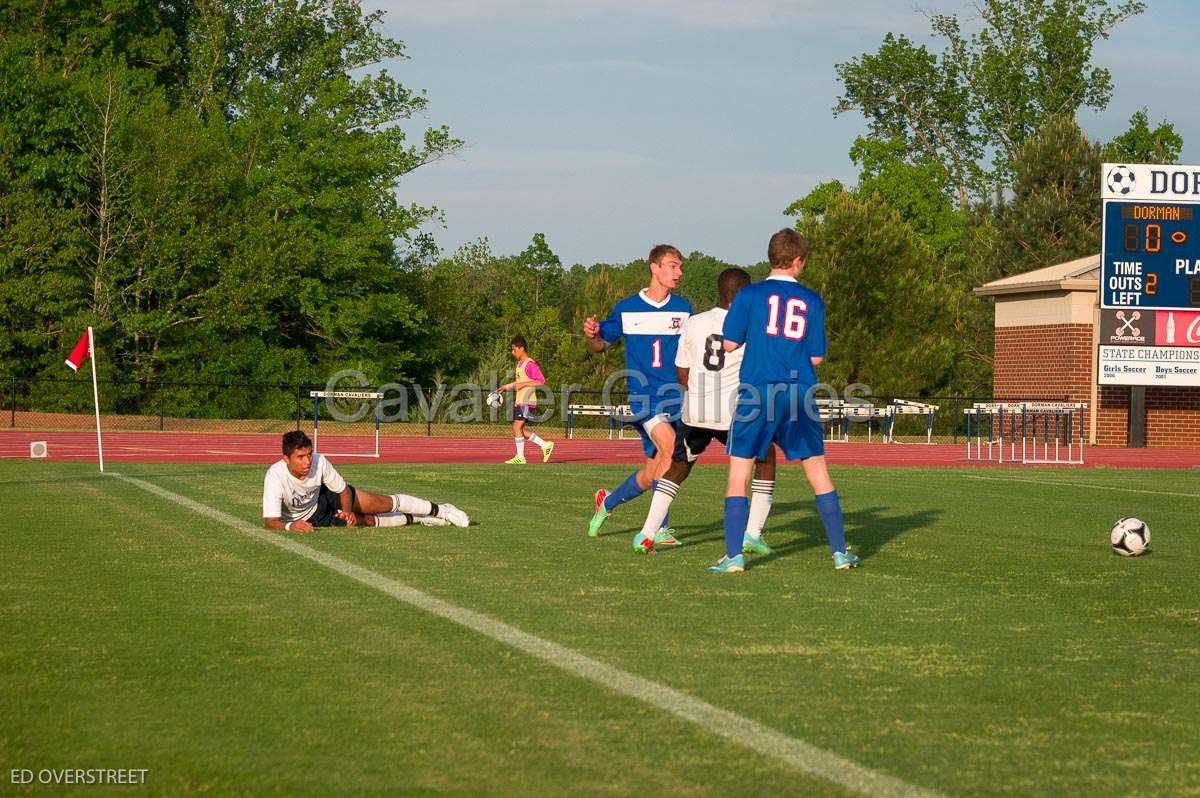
(645, 409)
(523, 413)
(648, 446)
(775, 413)
(328, 504)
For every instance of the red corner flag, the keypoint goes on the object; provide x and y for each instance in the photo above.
(82, 349)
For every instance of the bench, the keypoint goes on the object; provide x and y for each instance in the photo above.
(619, 416)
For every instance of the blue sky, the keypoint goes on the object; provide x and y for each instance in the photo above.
(612, 125)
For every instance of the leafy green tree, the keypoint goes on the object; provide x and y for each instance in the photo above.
(890, 311)
(1140, 144)
(986, 92)
(209, 177)
(1054, 215)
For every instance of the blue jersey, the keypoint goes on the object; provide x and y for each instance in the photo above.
(782, 325)
(651, 330)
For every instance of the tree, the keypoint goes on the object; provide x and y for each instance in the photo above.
(1140, 144)
(1054, 215)
(985, 93)
(890, 311)
(202, 177)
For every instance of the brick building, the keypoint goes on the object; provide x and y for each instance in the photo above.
(1047, 341)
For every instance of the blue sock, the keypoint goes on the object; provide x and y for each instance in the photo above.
(830, 511)
(666, 522)
(624, 492)
(737, 512)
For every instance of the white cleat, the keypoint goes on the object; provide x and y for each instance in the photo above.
(454, 515)
(430, 520)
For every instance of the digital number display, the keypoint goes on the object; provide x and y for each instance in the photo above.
(1151, 256)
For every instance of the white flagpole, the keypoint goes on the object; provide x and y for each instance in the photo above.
(96, 399)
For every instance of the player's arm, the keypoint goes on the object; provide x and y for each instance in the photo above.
(272, 504)
(737, 322)
(682, 366)
(591, 334)
(346, 507)
(278, 525)
(600, 334)
(331, 479)
(816, 333)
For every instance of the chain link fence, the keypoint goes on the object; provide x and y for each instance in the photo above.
(412, 410)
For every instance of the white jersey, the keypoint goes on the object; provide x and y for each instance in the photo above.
(291, 499)
(713, 373)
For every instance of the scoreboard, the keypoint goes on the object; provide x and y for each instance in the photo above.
(1150, 275)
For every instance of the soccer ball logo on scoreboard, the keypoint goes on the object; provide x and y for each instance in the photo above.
(1121, 180)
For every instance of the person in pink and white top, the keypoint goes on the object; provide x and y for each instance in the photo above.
(524, 410)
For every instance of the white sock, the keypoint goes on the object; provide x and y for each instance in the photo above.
(533, 436)
(762, 493)
(393, 519)
(520, 442)
(660, 505)
(411, 504)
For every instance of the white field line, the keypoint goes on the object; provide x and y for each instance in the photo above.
(1082, 485)
(755, 736)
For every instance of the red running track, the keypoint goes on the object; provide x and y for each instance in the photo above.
(181, 447)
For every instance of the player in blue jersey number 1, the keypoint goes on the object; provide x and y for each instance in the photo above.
(782, 325)
(650, 322)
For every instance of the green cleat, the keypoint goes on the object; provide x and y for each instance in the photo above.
(600, 514)
(844, 560)
(518, 460)
(665, 537)
(755, 545)
(547, 451)
(729, 565)
(643, 544)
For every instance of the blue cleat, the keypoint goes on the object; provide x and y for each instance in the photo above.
(844, 560)
(729, 565)
(755, 545)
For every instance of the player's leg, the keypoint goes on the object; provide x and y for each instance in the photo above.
(546, 446)
(689, 443)
(390, 510)
(637, 482)
(750, 437)
(803, 441)
(762, 494)
(736, 511)
(518, 428)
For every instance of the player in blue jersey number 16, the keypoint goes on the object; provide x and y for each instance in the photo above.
(650, 322)
(781, 323)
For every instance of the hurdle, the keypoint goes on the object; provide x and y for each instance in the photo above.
(907, 407)
(317, 396)
(1047, 431)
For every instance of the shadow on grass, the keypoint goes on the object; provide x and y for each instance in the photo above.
(867, 530)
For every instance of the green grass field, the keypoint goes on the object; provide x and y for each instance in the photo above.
(991, 643)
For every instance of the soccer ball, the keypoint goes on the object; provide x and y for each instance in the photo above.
(1130, 537)
(1121, 180)
(495, 399)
